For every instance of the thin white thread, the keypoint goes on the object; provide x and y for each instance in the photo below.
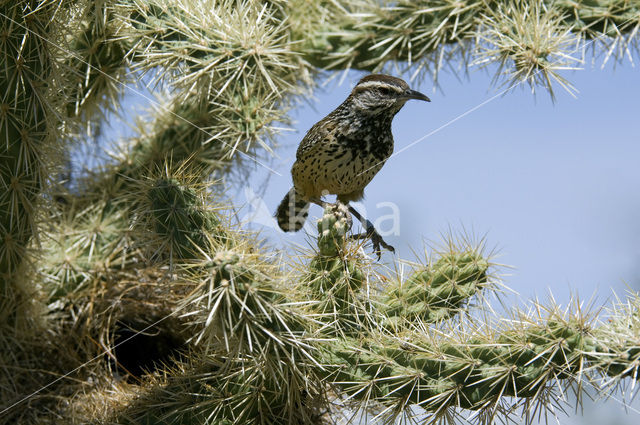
(139, 93)
(448, 123)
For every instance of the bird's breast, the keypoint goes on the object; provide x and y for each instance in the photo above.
(341, 165)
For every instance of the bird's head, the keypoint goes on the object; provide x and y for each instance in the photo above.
(379, 93)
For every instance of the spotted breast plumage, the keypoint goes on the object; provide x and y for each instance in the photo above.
(342, 153)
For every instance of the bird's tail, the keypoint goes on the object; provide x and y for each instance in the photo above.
(292, 212)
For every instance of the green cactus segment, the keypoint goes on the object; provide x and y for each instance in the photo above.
(215, 45)
(177, 220)
(473, 374)
(89, 244)
(332, 230)
(331, 273)
(437, 292)
(187, 134)
(98, 61)
(241, 308)
(596, 18)
(235, 392)
(616, 345)
(355, 38)
(254, 360)
(335, 278)
(200, 141)
(238, 72)
(522, 37)
(26, 129)
(335, 284)
(621, 362)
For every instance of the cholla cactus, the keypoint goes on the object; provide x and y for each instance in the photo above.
(132, 257)
(438, 292)
(28, 132)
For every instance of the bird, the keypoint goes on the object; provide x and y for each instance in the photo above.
(342, 153)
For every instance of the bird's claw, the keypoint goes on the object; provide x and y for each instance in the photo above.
(371, 233)
(376, 240)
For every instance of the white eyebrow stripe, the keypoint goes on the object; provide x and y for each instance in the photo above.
(379, 84)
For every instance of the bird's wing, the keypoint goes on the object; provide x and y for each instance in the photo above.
(320, 134)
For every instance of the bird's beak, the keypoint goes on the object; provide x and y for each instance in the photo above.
(413, 94)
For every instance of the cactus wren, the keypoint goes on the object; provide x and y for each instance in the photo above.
(342, 153)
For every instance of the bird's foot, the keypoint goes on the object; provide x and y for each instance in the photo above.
(371, 233)
(342, 210)
(377, 241)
